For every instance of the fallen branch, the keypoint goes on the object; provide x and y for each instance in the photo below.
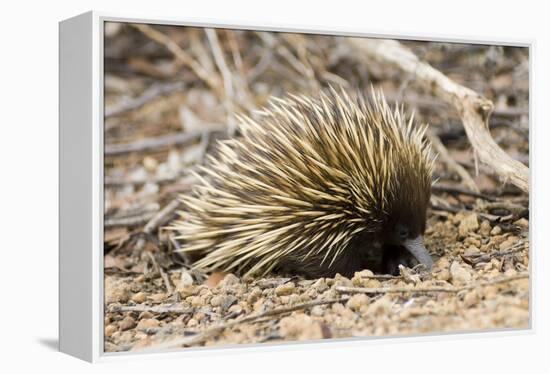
(385, 290)
(180, 54)
(133, 220)
(455, 210)
(461, 191)
(161, 217)
(473, 109)
(516, 210)
(156, 309)
(122, 181)
(158, 142)
(150, 94)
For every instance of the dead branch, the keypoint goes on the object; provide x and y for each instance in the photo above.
(150, 94)
(161, 217)
(156, 309)
(227, 77)
(473, 109)
(461, 191)
(180, 54)
(111, 181)
(455, 210)
(134, 220)
(516, 210)
(158, 142)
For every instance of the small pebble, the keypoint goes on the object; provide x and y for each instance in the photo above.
(317, 310)
(300, 327)
(496, 230)
(285, 289)
(254, 295)
(459, 274)
(229, 280)
(471, 241)
(522, 222)
(236, 308)
(186, 279)
(145, 315)
(340, 280)
(195, 301)
(127, 323)
(468, 224)
(139, 297)
(320, 285)
(148, 323)
(187, 291)
(149, 163)
(110, 330)
(443, 275)
(471, 251)
(158, 297)
(228, 301)
(511, 241)
(216, 300)
(471, 299)
(485, 228)
(357, 301)
(382, 306)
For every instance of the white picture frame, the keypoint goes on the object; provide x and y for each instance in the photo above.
(81, 177)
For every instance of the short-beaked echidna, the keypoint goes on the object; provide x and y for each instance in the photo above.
(315, 186)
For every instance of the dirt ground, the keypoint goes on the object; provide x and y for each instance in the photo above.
(170, 92)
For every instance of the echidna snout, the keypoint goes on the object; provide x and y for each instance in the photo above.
(404, 244)
(316, 186)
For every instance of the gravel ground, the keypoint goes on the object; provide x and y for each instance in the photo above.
(479, 282)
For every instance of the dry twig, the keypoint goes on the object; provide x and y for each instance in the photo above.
(162, 273)
(158, 142)
(150, 94)
(226, 75)
(487, 216)
(461, 191)
(156, 309)
(386, 290)
(180, 54)
(133, 220)
(161, 217)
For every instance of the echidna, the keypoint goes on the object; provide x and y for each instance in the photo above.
(316, 186)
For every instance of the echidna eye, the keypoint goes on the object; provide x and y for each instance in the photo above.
(403, 233)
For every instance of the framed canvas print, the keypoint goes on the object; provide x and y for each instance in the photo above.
(227, 186)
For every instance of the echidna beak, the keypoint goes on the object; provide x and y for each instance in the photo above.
(416, 247)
